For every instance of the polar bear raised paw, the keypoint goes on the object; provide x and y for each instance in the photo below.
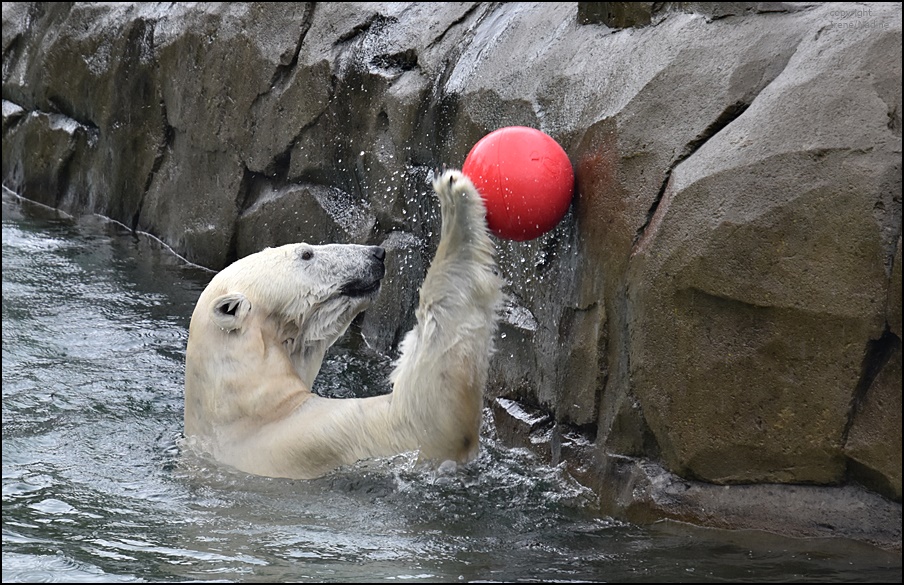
(262, 326)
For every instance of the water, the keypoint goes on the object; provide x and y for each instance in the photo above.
(95, 487)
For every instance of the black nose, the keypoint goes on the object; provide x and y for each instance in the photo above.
(378, 253)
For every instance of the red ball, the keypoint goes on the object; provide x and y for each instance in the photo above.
(525, 179)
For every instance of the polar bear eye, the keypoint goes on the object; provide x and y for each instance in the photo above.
(307, 255)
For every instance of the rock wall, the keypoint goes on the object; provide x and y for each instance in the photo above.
(723, 299)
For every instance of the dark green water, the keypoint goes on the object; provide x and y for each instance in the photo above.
(95, 488)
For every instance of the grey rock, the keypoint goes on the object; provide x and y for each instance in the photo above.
(616, 14)
(390, 318)
(648, 491)
(874, 430)
(781, 276)
(301, 213)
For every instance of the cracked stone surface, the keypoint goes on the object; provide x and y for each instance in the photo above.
(722, 299)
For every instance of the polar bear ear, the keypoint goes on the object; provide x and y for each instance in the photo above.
(228, 311)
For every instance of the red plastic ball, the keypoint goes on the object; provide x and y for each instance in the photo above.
(525, 179)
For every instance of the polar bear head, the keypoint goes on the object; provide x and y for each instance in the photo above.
(271, 317)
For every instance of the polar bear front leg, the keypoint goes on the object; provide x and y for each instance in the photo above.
(439, 379)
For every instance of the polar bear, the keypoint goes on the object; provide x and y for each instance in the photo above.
(261, 328)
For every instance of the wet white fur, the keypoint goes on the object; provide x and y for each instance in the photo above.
(260, 330)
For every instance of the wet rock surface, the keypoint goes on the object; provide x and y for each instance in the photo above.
(723, 299)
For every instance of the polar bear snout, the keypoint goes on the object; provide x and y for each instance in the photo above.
(367, 281)
(378, 253)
